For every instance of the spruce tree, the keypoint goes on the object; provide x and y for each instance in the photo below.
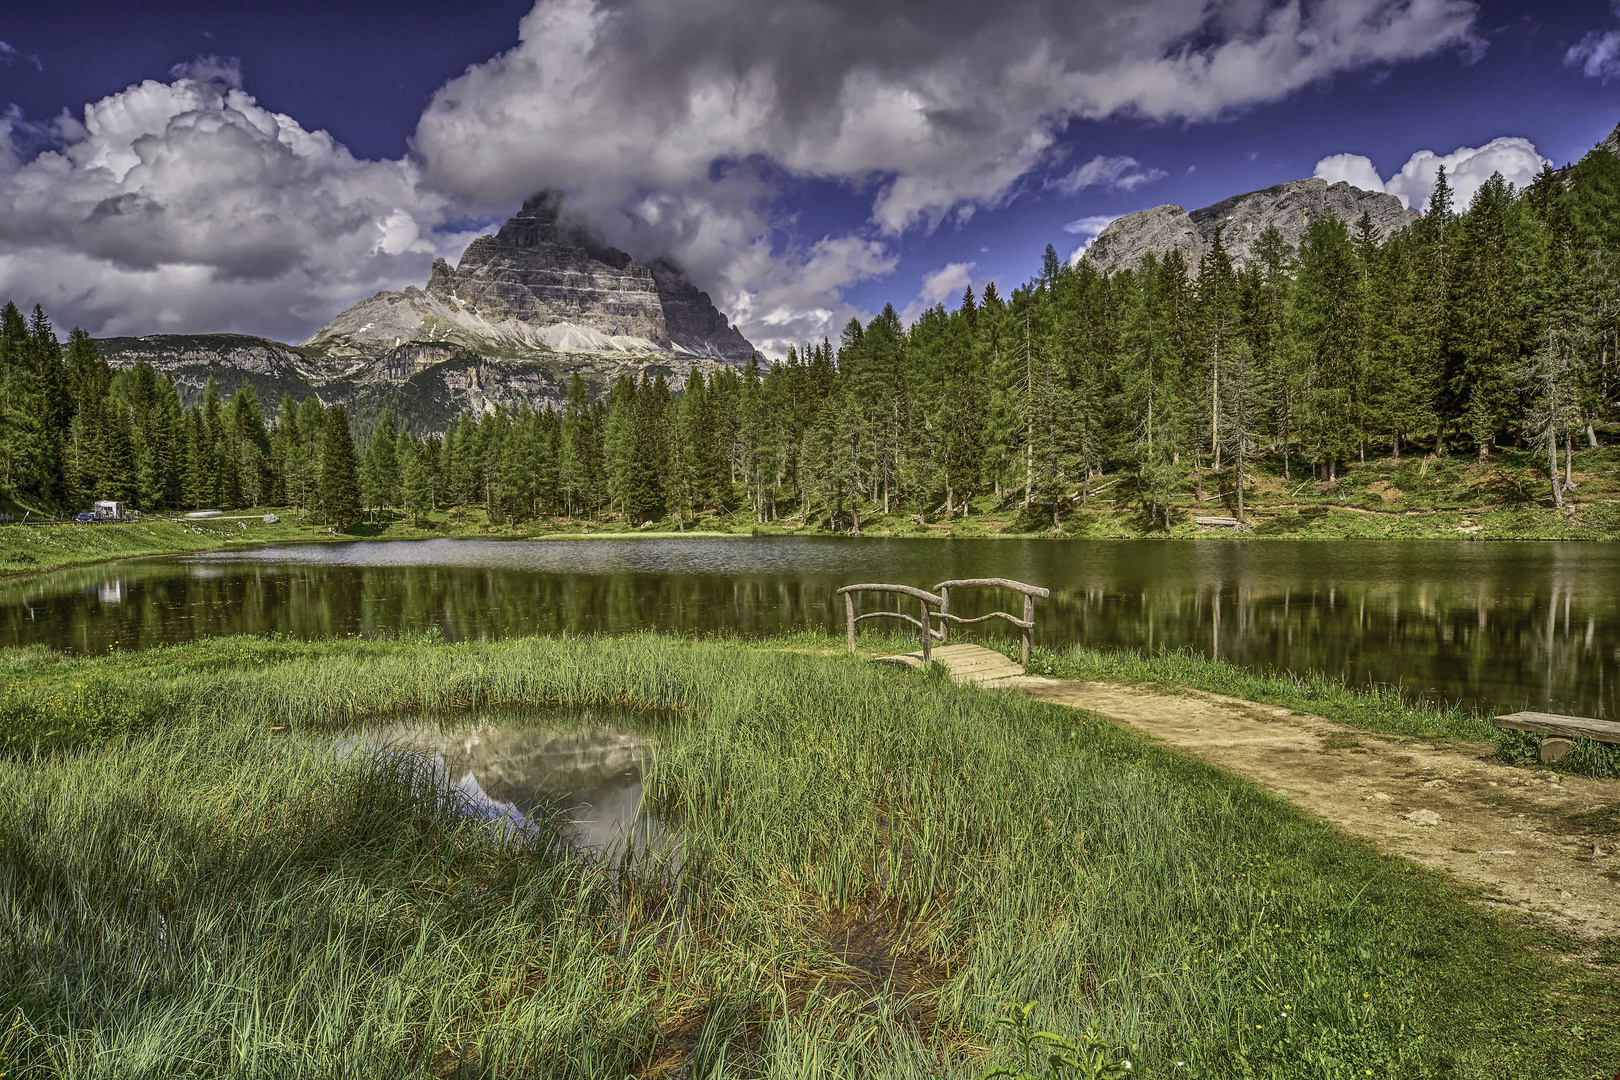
(1488, 323)
(1326, 326)
(1219, 323)
(22, 412)
(418, 493)
(380, 457)
(340, 480)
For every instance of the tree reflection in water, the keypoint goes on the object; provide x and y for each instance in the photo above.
(1496, 625)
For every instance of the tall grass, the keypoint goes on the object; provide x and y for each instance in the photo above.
(874, 865)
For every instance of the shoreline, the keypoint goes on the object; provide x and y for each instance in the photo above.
(20, 554)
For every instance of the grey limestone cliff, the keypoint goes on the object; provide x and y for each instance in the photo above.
(535, 287)
(695, 324)
(530, 271)
(1242, 220)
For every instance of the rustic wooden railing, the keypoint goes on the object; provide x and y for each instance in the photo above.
(937, 605)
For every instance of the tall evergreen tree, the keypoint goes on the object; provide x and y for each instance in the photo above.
(340, 480)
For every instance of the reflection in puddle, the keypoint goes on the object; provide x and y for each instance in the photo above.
(583, 783)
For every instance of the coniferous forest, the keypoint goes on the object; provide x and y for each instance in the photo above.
(1478, 329)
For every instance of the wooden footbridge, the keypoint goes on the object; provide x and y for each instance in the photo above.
(966, 662)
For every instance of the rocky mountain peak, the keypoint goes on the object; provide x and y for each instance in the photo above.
(537, 284)
(535, 223)
(1242, 219)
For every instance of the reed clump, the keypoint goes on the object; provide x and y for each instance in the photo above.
(873, 866)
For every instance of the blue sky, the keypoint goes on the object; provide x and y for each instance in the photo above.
(806, 160)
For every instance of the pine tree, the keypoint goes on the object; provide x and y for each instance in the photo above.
(1488, 336)
(1326, 325)
(22, 412)
(380, 456)
(1148, 391)
(1243, 408)
(340, 480)
(418, 493)
(249, 448)
(1219, 320)
(1436, 258)
(55, 410)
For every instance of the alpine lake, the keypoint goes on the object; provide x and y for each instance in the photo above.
(1494, 626)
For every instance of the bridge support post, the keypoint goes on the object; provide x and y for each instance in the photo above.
(945, 609)
(849, 616)
(928, 633)
(1029, 631)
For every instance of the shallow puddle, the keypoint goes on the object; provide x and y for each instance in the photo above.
(582, 781)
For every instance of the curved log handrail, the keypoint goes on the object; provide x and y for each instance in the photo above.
(912, 619)
(942, 601)
(1020, 623)
(996, 583)
(1027, 623)
(920, 594)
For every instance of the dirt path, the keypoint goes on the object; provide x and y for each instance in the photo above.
(1531, 840)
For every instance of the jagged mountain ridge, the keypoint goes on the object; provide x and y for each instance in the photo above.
(535, 286)
(521, 312)
(1242, 219)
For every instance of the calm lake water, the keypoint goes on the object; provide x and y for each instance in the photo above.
(1497, 625)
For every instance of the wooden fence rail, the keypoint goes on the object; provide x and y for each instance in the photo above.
(937, 606)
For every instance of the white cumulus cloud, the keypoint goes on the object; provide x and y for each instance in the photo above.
(1356, 170)
(1467, 169)
(943, 286)
(938, 111)
(947, 283)
(186, 206)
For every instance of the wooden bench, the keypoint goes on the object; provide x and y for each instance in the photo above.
(1560, 732)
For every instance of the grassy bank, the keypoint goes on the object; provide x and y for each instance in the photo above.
(875, 865)
(27, 549)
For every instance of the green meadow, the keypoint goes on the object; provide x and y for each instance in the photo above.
(874, 868)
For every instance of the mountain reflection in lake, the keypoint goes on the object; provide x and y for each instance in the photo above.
(584, 783)
(1496, 625)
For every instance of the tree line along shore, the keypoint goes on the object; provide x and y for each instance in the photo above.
(1482, 340)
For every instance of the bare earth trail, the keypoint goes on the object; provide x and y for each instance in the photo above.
(1531, 840)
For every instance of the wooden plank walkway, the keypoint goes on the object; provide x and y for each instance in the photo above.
(967, 664)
